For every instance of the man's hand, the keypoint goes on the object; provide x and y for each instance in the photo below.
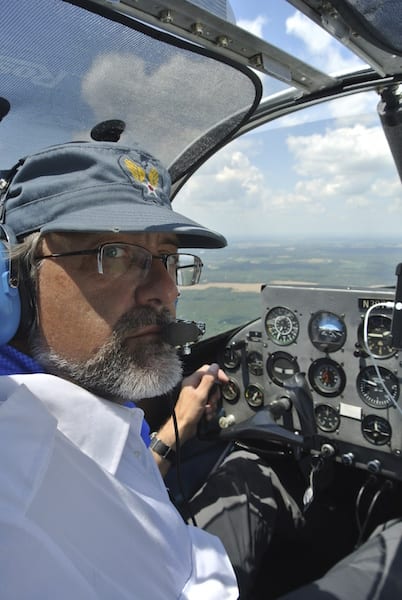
(198, 397)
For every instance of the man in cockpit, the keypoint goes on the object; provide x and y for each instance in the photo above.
(85, 305)
(84, 512)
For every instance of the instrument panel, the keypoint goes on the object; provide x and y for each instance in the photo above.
(353, 376)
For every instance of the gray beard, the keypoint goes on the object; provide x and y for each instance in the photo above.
(116, 372)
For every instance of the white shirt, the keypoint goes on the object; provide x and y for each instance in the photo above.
(84, 513)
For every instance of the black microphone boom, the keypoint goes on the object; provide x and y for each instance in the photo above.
(181, 334)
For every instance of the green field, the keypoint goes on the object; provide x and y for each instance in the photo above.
(339, 263)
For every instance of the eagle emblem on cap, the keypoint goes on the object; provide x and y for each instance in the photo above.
(149, 180)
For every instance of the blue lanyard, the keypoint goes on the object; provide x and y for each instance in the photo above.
(14, 362)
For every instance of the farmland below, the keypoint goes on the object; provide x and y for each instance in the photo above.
(229, 291)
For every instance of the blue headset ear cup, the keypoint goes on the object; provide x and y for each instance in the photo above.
(10, 302)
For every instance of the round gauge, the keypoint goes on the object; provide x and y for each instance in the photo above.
(254, 395)
(375, 391)
(230, 391)
(281, 366)
(282, 326)
(327, 331)
(327, 377)
(379, 337)
(254, 361)
(327, 418)
(376, 430)
(231, 358)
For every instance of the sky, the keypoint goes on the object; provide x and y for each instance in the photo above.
(325, 171)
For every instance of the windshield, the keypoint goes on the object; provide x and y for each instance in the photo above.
(312, 198)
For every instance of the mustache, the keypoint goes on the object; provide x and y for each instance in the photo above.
(137, 318)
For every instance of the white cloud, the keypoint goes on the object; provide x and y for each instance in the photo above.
(320, 47)
(341, 178)
(254, 26)
(241, 172)
(316, 39)
(343, 150)
(228, 193)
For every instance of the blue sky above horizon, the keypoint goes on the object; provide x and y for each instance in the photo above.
(323, 171)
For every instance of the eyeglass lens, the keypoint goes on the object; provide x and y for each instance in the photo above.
(116, 260)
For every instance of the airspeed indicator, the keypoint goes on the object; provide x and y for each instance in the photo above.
(282, 326)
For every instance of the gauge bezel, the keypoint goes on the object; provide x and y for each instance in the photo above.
(369, 351)
(378, 419)
(274, 334)
(255, 366)
(235, 361)
(259, 390)
(334, 413)
(370, 372)
(314, 326)
(270, 366)
(332, 364)
(224, 387)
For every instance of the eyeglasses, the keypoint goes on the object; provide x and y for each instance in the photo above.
(119, 260)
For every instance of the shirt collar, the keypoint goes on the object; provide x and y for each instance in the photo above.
(13, 362)
(98, 427)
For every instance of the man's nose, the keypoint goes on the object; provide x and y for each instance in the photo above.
(158, 288)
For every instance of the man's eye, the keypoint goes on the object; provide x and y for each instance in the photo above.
(114, 252)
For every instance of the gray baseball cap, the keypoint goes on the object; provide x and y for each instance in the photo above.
(98, 187)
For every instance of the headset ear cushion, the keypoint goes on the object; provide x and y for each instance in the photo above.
(10, 302)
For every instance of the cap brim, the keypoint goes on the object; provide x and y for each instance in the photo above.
(121, 218)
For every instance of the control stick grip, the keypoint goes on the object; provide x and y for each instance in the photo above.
(303, 402)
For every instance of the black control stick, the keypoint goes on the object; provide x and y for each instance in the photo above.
(302, 400)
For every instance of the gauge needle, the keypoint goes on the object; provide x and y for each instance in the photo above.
(380, 335)
(370, 382)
